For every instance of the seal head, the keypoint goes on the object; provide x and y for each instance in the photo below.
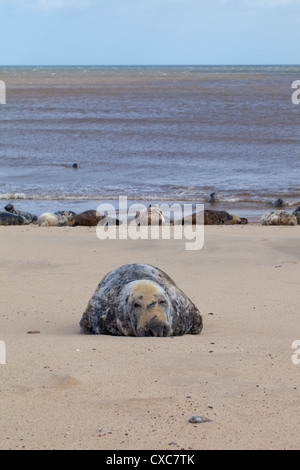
(146, 308)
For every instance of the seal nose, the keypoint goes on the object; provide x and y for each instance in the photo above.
(157, 328)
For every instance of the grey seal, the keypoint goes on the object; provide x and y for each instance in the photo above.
(30, 218)
(64, 216)
(140, 300)
(91, 218)
(297, 210)
(213, 198)
(278, 218)
(296, 213)
(278, 203)
(150, 216)
(7, 218)
(210, 218)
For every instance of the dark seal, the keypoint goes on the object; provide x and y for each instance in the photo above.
(6, 218)
(213, 198)
(209, 217)
(30, 218)
(296, 213)
(91, 219)
(278, 203)
(140, 300)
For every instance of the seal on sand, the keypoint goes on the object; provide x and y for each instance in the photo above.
(140, 300)
(7, 218)
(30, 218)
(91, 219)
(48, 220)
(296, 213)
(216, 217)
(150, 216)
(64, 216)
(237, 220)
(209, 217)
(278, 218)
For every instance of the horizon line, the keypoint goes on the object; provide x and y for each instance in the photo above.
(152, 65)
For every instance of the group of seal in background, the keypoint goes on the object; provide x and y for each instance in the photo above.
(278, 216)
(149, 216)
(57, 219)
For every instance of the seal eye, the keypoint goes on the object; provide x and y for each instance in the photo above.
(162, 303)
(136, 305)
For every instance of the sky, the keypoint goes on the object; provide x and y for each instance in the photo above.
(149, 32)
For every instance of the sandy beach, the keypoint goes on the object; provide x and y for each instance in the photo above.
(60, 389)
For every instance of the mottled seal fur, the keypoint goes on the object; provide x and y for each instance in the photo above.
(64, 216)
(6, 218)
(216, 217)
(30, 218)
(140, 300)
(91, 218)
(296, 210)
(278, 218)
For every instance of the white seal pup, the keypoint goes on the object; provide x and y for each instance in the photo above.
(140, 300)
(48, 220)
(150, 216)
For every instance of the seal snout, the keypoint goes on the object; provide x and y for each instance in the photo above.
(156, 328)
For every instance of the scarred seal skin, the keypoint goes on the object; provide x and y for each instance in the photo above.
(140, 300)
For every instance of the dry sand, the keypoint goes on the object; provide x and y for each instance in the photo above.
(64, 390)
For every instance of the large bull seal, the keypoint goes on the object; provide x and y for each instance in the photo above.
(140, 300)
(91, 218)
(209, 217)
